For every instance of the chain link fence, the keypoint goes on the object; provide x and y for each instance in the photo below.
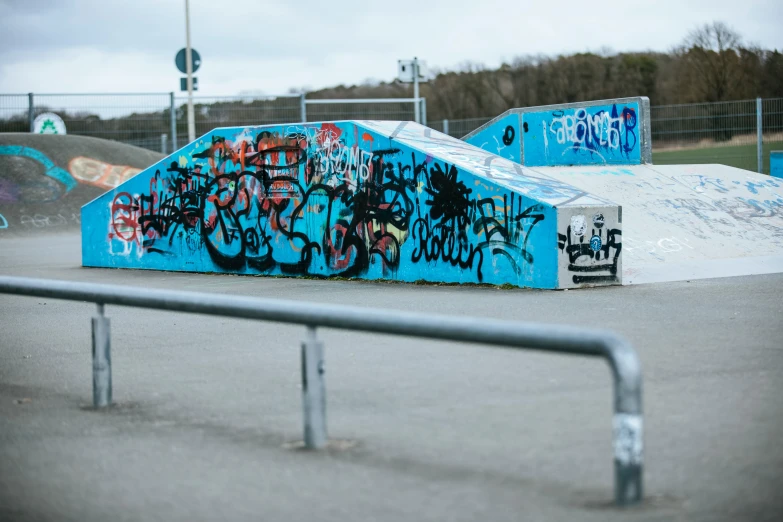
(730, 133)
(159, 121)
(459, 128)
(726, 132)
(402, 109)
(138, 119)
(236, 111)
(14, 113)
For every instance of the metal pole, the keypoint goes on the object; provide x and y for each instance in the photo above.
(627, 425)
(303, 107)
(416, 108)
(101, 360)
(164, 138)
(173, 122)
(759, 138)
(623, 361)
(445, 126)
(189, 71)
(313, 391)
(31, 111)
(424, 111)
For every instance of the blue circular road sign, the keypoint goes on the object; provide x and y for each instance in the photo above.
(180, 60)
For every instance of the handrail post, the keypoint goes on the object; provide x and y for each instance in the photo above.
(101, 360)
(303, 107)
(313, 391)
(173, 121)
(627, 426)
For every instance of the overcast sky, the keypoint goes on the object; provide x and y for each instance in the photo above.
(273, 46)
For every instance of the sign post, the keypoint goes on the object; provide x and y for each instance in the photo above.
(413, 71)
(189, 72)
(48, 123)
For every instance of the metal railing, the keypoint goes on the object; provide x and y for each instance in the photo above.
(143, 119)
(622, 359)
(736, 133)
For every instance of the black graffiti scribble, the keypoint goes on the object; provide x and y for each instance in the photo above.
(503, 237)
(508, 135)
(604, 259)
(449, 198)
(251, 206)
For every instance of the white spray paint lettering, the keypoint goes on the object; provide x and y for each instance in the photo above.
(578, 225)
(582, 128)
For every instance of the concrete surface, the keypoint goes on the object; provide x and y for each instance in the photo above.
(679, 222)
(685, 222)
(207, 407)
(46, 178)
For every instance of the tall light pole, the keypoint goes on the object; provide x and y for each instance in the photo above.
(189, 71)
(417, 107)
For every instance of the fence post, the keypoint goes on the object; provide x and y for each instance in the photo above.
(424, 111)
(164, 138)
(173, 121)
(31, 110)
(313, 391)
(445, 126)
(759, 137)
(101, 360)
(303, 107)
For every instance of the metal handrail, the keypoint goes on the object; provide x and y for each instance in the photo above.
(328, 101)
(622, 359)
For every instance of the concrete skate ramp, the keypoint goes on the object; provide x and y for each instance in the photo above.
(603, 132)
(679, 221)
(372, 200)
(45, 179)
(689, 221)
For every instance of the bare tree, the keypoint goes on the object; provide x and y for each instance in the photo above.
(710, 59)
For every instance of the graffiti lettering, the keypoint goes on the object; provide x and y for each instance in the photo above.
(312, 200)
(594, 132)
(43, 221)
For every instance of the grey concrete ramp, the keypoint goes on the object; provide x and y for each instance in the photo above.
(679, 222)
(45, 179)
(685, 222)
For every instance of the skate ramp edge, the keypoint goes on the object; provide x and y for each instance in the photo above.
(361, 199)
(45, 179)
(603, 132)
(680, 222)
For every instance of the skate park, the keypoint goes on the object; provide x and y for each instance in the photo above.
(206, 404)
(249, 272)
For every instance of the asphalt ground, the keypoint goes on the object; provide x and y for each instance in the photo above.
(208, 409)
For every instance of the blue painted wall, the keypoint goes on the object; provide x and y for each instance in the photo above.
(608, 134)
(500, 137)
(776, 164)
(374, 200)
(597, 135)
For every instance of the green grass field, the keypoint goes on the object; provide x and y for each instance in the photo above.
(741, 156)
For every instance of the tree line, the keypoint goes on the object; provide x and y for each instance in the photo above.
(713, 63)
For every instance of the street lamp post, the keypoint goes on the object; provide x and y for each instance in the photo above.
(189, 72)
(417, 106)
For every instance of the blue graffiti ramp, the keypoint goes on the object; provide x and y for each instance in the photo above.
(364, 199)
(604, 132)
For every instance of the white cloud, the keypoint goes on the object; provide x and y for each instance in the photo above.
(119, 46)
